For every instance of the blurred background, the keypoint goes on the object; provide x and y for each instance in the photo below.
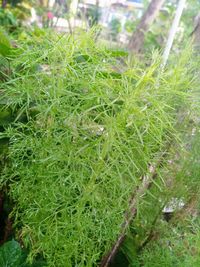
(116, 20)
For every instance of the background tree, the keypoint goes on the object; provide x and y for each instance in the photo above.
(196, 31)
(11, 2)
(3, 3)
(137, 39)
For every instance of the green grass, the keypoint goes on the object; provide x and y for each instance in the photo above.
(82, 137)
(175, 246)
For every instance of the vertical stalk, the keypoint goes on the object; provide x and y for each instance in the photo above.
(73, 11)
(173, 31)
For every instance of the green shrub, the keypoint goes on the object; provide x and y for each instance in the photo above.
(12, 255)
(130, 25)
(177, 246)
(7, 19)
(115, 27)
(81, 138)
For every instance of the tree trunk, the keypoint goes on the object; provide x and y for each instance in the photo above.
(137, 39)
(4, 3)
(196, 31)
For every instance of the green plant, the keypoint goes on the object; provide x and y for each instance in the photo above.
(7, 19)
(12, 255)
(152, 241)
(82, 136)
(5, 46)
(93, 15)
(176, 246)
(115, 27)
(130, 26)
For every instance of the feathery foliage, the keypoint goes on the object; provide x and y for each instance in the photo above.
(81, 135)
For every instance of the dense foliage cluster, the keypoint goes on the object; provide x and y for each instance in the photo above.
(81, 135)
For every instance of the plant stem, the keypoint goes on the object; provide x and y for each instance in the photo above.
(147, 182)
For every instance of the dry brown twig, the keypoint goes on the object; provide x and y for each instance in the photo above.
(130, 214)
